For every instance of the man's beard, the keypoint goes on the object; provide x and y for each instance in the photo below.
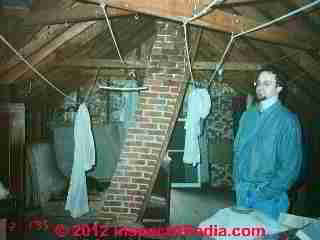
(261, 97)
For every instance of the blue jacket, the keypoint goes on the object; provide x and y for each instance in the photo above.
(268, 150)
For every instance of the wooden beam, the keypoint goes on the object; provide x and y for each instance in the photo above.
(80, 13)
(22, 68)
(7, 11)
(178, 10)
(42, 37)
(102, 63)
(233, 3)
(107, 63)
(232, 66)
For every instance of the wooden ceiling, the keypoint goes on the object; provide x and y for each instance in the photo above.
(55, 32)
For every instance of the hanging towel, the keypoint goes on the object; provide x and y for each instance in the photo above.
(199, 104)
(84, 159)
(128, 112)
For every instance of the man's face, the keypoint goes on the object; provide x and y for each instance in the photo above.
(266, 86)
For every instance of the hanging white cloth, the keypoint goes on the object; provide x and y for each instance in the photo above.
(84, 159)
(128, 112)
(199, 104)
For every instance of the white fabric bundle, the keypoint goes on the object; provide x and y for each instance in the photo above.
(84, 159)
(199, 104)
(3, 192)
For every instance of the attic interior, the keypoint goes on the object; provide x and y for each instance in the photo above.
(72, 48)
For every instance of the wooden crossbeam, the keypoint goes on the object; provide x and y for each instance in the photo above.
(38, 40)
(179, 10)
(36, 58)
(80, 13)
(106, 63)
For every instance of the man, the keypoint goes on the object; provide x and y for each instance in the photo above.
(267, 149)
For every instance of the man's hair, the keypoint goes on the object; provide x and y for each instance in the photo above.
(281, 79)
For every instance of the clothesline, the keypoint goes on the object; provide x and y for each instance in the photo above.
(234, 36)
(35, 70)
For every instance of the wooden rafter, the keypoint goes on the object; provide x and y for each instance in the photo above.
(36, 58)
(80, 13)
(106, 63)
(178, 10)
(38, 40)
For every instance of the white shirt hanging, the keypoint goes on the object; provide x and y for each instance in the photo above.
(84, 159)
(199, 104)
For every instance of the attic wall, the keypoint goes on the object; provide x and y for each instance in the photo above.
(139, 158)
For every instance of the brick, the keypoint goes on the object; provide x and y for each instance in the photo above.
(164, 127)
(168, 114)
(145, 138)
(175, 71)
(152, 163)
(121, 179)
(160, 120)
(133, 155)
(112, 203)
(132, 204)
(137, 162)
(156, 101)
(171, 51)
(135, 131)
(127, 218)
(134, 174)
(135, 144)
(153, 145)
(149, 156)
(159, 57)
(114, 185)
(170, 96)
(155, 151)
(146, 107)
(139, 199)
(140, 180)
(160, 138)
(115, 191)
(142, 100)
(129, 186)
(148, 125)
(140, 150)
(109, 197)
(136, 192)
(160, 89)
(124, 198)
(152, 113)
(144, 119)
(176, 58)
(147, 175)
(174, 89)
(149, 95)
(119, 210)
(143, 187)
(156, 132)
(125, 167)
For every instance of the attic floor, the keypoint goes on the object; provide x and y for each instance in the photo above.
(188, 206)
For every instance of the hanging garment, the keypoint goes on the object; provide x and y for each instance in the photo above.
(204, 155)
(128, 112)
(199, 104)
(84, 159)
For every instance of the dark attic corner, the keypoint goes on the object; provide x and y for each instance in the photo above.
(151, 120)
